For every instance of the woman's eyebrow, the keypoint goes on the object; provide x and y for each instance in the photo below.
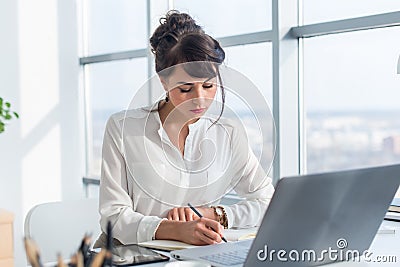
(191, 83)
(185, 83)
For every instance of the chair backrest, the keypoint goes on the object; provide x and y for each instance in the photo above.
(58, 227)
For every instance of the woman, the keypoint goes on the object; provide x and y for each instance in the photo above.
(157, 159)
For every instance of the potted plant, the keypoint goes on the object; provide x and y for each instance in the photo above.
(6, 114)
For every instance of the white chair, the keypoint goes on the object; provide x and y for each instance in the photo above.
(58, 227)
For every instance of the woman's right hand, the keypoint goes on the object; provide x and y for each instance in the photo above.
(202, 231)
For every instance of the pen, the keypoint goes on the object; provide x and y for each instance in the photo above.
(201, 216)
(109, 237)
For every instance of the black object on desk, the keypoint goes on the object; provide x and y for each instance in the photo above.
(131, 255)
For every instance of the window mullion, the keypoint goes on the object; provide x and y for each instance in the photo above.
(285, 89)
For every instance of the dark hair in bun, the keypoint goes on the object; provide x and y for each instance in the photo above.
(174, 24)
(178, 39)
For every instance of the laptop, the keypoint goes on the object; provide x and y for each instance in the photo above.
(312, 220)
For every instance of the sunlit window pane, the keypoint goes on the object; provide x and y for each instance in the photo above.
(115, 26)
(351, 92)
(254, 62)
(325, 10)
(112, 87)
(223, 18)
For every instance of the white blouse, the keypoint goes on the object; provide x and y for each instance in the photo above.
(143, 175)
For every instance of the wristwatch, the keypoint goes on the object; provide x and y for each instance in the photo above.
(222, 218)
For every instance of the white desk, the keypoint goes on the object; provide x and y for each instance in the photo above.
(383, 244)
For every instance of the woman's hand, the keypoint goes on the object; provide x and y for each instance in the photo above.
(202, 231)
(185, 214)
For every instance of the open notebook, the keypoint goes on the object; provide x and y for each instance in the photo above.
(229, 234)
(393, 213)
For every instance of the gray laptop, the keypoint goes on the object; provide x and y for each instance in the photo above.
(312, 220)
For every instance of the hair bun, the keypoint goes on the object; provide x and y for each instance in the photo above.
(172, 26)
(179, 21)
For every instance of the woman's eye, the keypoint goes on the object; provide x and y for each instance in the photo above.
(185, 89)
(207, 85)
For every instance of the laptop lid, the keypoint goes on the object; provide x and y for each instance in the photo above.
(337, 212)
(320, 218)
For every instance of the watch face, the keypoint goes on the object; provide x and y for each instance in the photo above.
(218, 211)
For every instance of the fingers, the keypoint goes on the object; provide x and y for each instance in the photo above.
(181, 214)
(169, 216)
(214, 225)
(173, 214)
(212, 236)
(203, 231)
(206, 239)
(211, 231)
(190, 216)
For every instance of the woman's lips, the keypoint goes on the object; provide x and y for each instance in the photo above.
(197, 111)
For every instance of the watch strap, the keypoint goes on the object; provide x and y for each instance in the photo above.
(221, 216)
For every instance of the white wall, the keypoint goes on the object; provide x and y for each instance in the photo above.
(41, 154)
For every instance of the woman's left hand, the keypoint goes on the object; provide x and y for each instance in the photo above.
(185, 214)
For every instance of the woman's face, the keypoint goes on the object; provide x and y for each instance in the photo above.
(189, 95)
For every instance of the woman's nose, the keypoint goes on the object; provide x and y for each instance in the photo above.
(198, 95)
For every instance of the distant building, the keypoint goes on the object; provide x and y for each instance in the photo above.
(392, 144)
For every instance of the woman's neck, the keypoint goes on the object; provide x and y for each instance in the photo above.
(169, 115)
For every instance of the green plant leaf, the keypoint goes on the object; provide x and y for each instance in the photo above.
(6, 114)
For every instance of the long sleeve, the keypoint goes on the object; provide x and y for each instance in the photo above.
(116, 205)
(253, 185)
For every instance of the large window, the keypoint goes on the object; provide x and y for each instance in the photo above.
(328, 65)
